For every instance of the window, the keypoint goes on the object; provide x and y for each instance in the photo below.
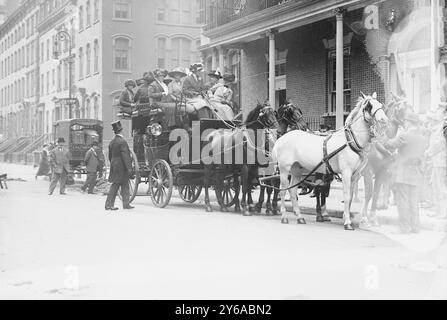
(161, 14)
(42, 84)
(332, 85)
(121, 10)
(181, 52)
(96, 59)
(59, 78)
(48, 83)
(81, 63)
(81, 18)
(122, 54)
(48, 49)
(161, 53)
(89, 13)
(96, 10)
(96, 108)
(88, 59)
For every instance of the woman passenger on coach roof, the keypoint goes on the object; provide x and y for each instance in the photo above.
(193, 84)
(223, 93)
(176, 86)
(127, 98)
(214, 83)
(142, 95)
(158, 88)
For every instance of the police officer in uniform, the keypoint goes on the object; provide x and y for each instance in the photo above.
(120, 169)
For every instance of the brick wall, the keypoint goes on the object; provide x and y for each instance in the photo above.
(307, 61)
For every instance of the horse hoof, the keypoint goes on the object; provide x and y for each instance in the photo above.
(349, 227)
(301, 221)
(237, 209)
(252, 210)
(209, 209)
(258, 208)
(247, 214)
(275, 212)
(320, 219)
(224, 209)
(269, 213)
(285, 221)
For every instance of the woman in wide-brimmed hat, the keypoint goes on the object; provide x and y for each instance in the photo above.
(176, 86)
(158, 88)
(215, 82)
(127, 98)
(223, 96)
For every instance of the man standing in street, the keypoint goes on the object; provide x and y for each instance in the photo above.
(94, 162)
(120, 169)
(60, 164)
(411, 145)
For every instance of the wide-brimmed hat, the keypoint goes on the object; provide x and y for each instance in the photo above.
(117, 127)
(177, 72)
(230, 78)
(130, 82)
(215, 74)
(160, 72)
(196, 67)
(61, 140)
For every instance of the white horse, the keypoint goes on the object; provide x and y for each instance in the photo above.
(343, 153)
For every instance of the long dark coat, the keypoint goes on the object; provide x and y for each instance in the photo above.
(120, 161)
(44, 166)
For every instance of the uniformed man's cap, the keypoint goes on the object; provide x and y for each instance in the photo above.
(117, 127)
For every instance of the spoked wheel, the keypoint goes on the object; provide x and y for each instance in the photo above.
(136, 178)
(227, 192)
(161, 184)
(189, 194)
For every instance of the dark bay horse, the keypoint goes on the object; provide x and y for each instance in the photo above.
(244, 140)
(290, 117)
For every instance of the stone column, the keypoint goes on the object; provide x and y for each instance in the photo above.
(339, 69)
(221, 51)
(435, 77)
(214, 65)
(272, 67)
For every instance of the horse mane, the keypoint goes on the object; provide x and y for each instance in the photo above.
(356, 111)
(293, 115)
(254, 114)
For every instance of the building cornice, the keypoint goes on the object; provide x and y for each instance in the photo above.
(17, 16)
(55, 17)
(256, 24)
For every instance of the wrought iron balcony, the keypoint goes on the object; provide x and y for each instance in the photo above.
(221, 12)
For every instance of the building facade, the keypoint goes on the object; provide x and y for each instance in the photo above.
(18, 71)
(323, 54)
(109, 42)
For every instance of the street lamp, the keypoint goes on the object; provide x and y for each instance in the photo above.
(62, 36)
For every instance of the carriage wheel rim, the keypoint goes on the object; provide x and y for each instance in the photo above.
(190, 193)
(161, 184)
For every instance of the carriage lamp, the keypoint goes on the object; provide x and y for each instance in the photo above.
(155, 129)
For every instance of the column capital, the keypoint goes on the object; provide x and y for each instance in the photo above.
(271, 33)
(339, 13)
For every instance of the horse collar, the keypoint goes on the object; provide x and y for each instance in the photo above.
(352, 141)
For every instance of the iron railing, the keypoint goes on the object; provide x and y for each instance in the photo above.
(220, 12)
